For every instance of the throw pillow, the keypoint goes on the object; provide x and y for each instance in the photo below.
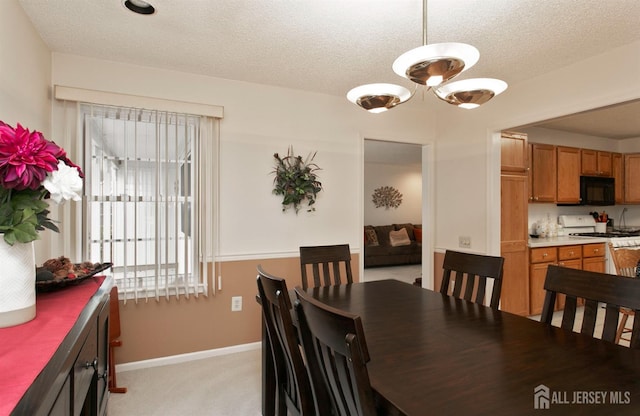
(399, 238)
(372, 237)
(418, 233)
(409, 228)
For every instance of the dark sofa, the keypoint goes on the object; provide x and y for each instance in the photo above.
(378, 250)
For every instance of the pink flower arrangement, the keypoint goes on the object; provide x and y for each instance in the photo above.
(32, 169)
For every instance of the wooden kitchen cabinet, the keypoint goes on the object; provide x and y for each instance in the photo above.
(513, 244)
(514, 235)
(568, 177)
(513, 152)
(632, 178)
(570, 256)
(595, 163)
(544, 162)
(593, 257)
(540, 258)
(578, 256)
(617, 171)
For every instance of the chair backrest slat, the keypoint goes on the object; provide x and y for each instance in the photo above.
(471, 272)
(595, 288)
(327, 264)
(334, 344)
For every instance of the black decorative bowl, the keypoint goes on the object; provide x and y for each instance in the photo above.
(49, 285)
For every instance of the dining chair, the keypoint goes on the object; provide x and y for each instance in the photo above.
(293, 386)
(625, 261)
(329, 265)
(334, 344)
(471, 272)
(595, 288)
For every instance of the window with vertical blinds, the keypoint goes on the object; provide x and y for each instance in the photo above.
(148, 197)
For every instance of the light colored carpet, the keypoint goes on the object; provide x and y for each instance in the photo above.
(227, 385)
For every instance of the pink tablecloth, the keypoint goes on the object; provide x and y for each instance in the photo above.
(26, 349)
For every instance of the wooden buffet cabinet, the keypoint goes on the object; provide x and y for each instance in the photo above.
(75, 380)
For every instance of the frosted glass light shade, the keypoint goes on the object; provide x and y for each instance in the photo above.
(377, 98)
(436, 63)
(470, 93)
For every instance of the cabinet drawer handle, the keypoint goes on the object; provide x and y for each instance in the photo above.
(595, 250)
(544, 254)
(93, 364)
(104, 375)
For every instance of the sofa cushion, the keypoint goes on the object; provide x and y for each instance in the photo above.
(382, 231)
(399, 238)
(371, 238)
(418, 234)
(408, 227)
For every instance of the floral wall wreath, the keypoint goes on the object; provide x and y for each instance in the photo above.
(387, 196)
(296, 180)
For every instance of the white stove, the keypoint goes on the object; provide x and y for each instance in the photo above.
(584, 226)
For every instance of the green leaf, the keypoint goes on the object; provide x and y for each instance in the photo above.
(25, 232)
(10, 238)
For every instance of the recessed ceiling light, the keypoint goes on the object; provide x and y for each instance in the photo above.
(139, 6)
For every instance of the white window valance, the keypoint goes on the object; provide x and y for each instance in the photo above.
(136, 101)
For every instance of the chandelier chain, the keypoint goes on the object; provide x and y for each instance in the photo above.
(424, 22)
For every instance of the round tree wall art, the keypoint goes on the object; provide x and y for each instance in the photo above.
(386, 196)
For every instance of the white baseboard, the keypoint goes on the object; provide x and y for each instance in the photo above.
(182, 358)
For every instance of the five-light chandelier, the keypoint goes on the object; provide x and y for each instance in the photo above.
(432, 66)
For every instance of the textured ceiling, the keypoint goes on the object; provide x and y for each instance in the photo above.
(332, 46)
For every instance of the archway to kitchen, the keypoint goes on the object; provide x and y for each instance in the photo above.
(396, 179)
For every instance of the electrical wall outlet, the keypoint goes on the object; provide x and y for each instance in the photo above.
(464, 241)
(236, 303)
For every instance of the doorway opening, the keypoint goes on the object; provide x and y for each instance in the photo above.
(393, 211)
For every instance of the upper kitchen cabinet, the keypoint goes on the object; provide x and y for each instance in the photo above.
(513, 153)
(632, 171)
(543, 170)
(617, 170)
(568, 179)
(595, 163)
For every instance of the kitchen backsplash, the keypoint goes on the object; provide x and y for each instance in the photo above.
(538, 212)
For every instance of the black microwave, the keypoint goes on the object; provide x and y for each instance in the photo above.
(597, 190)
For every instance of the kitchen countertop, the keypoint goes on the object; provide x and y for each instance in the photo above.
(564, 241)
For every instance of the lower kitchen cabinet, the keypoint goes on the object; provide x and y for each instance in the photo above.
(593, 257)
(584, 256)
(540, 259)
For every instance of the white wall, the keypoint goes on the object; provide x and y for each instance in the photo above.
(25, 70)
(467, 146)
(407, 180)
(259, 121)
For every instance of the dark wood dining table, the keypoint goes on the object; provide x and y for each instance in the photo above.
(434, 354)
